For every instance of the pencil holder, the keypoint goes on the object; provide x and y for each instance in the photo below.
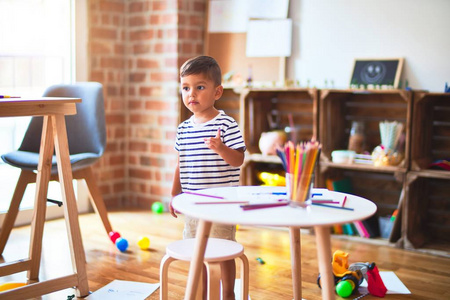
(300, 192)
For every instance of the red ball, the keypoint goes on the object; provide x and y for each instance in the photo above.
(114, 235)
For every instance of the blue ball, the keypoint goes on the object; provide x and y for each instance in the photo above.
(122, 244)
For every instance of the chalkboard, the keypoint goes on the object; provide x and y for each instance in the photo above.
(377, 72)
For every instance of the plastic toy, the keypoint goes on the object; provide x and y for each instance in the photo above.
(346, 281)
(348, 278)
(157, 207)
(114, 235)
(11, 285)
(272, 179)
(143, 242)
(122, 244)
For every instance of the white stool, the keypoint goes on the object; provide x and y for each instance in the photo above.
(217, 251)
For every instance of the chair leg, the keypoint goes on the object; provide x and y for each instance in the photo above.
(214, 275)
(97, 198)
(164, 277)
(8, 223)
(244, 277)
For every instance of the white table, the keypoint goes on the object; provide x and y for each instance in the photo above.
(321, 218)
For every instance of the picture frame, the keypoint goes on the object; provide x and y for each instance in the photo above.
(377, 72)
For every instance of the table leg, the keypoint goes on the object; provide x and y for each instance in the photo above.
(323, 241)
(296, 260)
(70, 205)
(195, 269)
(40, 203)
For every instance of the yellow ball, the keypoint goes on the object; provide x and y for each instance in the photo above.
(143, 242)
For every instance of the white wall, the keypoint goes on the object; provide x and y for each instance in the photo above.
(329, 34)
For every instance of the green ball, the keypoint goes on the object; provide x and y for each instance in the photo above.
(344, 288)
(157, 207)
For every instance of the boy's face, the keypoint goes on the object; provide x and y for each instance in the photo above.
(199, 94)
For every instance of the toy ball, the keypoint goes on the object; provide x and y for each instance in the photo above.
(344, 288)
(157, 207)
(114, 235)
(143, 242)
(122, 244)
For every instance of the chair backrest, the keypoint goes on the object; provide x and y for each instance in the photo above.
(86, 131)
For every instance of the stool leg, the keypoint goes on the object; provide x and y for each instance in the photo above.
(214, 275)
(163, 276)
(244, 277)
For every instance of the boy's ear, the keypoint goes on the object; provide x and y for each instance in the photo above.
(219, 92)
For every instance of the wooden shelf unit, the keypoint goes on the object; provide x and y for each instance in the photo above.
(431, 130)
(261, 106)
(384, 185)
(426, 214)
(339, 108)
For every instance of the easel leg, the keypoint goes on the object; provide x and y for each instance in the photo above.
(70, 207)
(40, 203)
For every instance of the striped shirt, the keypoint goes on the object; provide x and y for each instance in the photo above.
(201, 167)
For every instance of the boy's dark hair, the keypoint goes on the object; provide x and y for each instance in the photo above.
(202, 65)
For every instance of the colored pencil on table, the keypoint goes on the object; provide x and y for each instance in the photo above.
(221, 202)
(332, 206)
(263, 205)
(204, 195)
(345, 200)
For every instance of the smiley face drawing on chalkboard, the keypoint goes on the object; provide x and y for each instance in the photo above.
(373, 72)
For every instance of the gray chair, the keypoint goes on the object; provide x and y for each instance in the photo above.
(86, 134)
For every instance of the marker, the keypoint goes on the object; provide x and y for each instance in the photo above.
(345, 200)
(4, 96)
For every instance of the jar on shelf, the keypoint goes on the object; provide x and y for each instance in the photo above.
(357, 137)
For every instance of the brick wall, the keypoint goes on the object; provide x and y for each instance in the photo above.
(135, 50)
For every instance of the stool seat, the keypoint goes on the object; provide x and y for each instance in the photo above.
(216, 250)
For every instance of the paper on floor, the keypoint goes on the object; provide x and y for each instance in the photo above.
(121, 289)
(393, 284)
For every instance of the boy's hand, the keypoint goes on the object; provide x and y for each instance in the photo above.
(172, 211)
(214, 143)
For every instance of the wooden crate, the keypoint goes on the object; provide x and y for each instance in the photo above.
(339, 108)
(229, 103)
(426, 217)
(262, 106)
(430, 139)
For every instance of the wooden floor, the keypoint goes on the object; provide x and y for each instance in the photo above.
(426, 276)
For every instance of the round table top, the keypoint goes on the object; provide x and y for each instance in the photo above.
(188, 204)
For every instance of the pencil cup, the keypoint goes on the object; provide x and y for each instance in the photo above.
(299, 189)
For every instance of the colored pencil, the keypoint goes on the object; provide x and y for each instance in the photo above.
(332, 206)
(204, 195)
(221, 202)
